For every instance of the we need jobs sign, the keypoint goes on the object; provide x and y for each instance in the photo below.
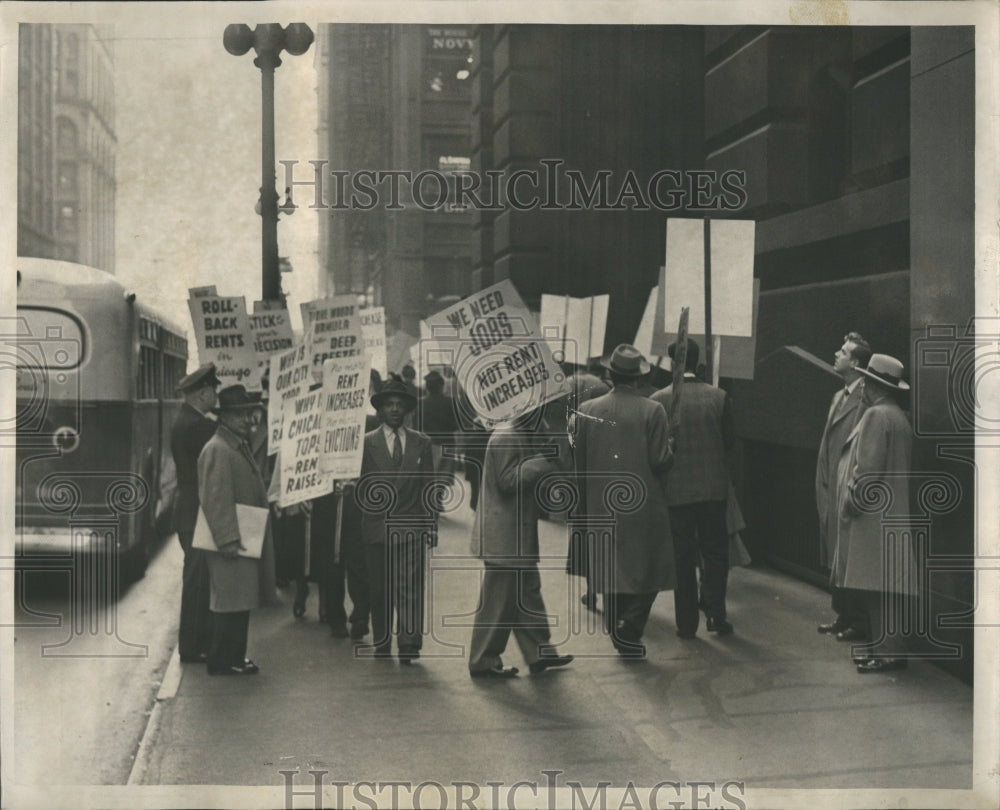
(499, 355)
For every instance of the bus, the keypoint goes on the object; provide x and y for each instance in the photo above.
(97, 371)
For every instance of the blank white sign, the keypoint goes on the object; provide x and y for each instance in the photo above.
(732, 246)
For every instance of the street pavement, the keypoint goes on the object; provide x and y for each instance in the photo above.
(776, 705)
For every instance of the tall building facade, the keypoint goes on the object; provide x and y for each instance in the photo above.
(66, 143)
(394, 98)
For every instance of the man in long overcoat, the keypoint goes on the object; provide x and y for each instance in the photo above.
(228, 475)
(697, 490)
(845, 412)
(621, 452)
(872, 556)
(398, 522)
(505, 538)
(190, 432)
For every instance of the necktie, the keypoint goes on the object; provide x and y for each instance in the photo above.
(397, 450)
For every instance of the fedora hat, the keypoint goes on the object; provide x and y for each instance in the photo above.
(393, 388)
(236, 398)
(627, 361)
(202, 376)
(886, 370)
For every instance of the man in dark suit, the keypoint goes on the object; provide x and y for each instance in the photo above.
(697, 488)
(845, 413)
(189, 434)
(396, 460)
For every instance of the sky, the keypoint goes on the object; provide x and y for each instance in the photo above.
(188, 164)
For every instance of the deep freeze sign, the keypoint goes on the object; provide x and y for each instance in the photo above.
(500, 358)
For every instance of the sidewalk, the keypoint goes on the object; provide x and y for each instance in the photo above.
(776, 705)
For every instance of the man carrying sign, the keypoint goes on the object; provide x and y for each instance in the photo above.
(697, 488)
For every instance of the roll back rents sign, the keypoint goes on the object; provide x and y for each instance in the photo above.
(224, 337)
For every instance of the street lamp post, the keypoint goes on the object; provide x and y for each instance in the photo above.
(268, 40)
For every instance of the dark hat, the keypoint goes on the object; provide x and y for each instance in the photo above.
(886, 370)
(394, 388)
(433, 376)
(236, 398)
(201, 376)
(627, 361)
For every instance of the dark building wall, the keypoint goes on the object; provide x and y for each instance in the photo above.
(596, 99)
(942, 303)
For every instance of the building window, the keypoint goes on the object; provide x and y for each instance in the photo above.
(67, 179)
(66, 136)
(67, 226)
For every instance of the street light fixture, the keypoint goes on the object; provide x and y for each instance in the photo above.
(268, 40)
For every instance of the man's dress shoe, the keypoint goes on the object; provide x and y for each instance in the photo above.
(852, 634)
(498, 671)
(720, 626)
(247, 668)
(832, 628)
(358, 630)
(546, 661)
(882, 665)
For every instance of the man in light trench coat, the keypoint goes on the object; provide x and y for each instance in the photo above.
(505, 537)
(622, 451)
(844, 414)
(874, 556)
(228, 475)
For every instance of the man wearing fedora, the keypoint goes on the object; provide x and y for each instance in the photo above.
(871, 557)
(844, 414)
(190, 432)
(697, 489)
(621, 451)
(398, 458)
(228, 475)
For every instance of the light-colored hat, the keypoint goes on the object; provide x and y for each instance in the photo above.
(627, 361)
(886, 370)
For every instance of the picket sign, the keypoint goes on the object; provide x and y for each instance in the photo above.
(500, 358)
(223, 335)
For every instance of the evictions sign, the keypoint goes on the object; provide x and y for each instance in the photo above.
(345, 406)
(500, 358)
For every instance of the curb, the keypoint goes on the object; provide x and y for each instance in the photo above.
(168, 689)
